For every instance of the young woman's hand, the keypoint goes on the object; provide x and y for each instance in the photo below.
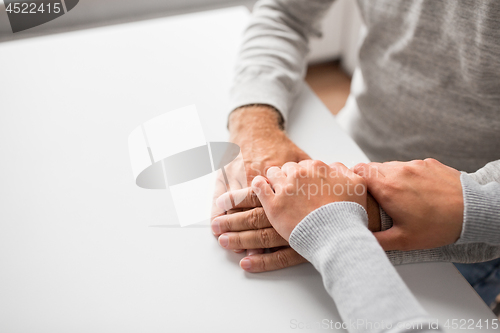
(290, 193)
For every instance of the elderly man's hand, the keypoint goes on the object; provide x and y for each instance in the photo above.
(263, 143)
(257, 131)
(248, 227)
(424, 199)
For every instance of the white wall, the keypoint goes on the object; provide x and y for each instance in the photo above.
(341, 25)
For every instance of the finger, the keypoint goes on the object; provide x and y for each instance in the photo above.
(370, 170)
(374, 178)
(252, 252)
(274, 172)
(274, 249)
(339, 169)
(252, 219)
(220, 188)
(244, 198)
(276, 177)
(265, 262)
(263, 190)
(235, 173)
(252, 239)
(237, 210)
(306, 163)
(346, 172)
(391, 239)
(316, 167)
(289, 168)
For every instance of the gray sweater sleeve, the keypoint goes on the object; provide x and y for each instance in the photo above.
(355, 270)
(480, 238)
(272, 60)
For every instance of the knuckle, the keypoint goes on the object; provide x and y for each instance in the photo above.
(406, 169)
(317, 163)
(297, 173)
(262, 263)
(271, 170)
(431, 160)
(264, 238)
(417, 162)
(253, 219)
(360, 169)
(235, 241)
(319, 166)
(337, 167)
(225, 224)
(282, 259)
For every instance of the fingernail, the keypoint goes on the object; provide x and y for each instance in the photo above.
(246, 264)
(251, 252)
(223, 240)
(216, 227)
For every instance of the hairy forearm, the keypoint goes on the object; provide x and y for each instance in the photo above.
(255, 118)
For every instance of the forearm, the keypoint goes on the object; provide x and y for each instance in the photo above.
(272, 59)
(354, 268)
(254, 120)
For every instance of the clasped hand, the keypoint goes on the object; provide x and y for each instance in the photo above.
(424, 199)
(283, 198)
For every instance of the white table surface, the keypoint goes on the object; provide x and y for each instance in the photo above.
(77, 253)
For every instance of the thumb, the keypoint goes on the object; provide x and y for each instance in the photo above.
(263, 190)
(375, 180)
(390, 239)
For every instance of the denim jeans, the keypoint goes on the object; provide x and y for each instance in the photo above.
(484, 277)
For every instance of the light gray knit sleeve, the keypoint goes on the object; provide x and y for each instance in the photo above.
(480, 238)
(272, 60)
(487, 174)
(355, 270)
(481, 212)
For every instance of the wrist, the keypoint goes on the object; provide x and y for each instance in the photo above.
(256, 117)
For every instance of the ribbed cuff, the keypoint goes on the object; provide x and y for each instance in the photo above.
(385, 220)
(481, 212)
(337, 221)
(260, 92)
(336, 240)
(487, 174)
